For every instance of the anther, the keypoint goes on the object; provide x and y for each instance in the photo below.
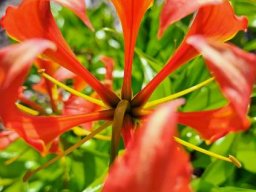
(235, 161)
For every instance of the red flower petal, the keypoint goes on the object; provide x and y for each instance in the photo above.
(153, 161)
(174, 10)
(76, 105)
(39, 132)
(78, 7)
(217, 22)
(235, 72)
(214, 124)
(16, 60)
(233, 69)
(18, 24)
(130, 13)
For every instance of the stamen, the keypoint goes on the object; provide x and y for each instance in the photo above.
(82, 132)
(230, 158)
(177, 95)
(66, 152)
(27, 109)
(73, 91)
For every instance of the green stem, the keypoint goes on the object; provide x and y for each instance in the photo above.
(119, 114)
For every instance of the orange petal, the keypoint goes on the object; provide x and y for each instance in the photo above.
(17, 23)
(235, 72)
(174, 10)
(76, 105)
(130, 13)
(39, 132)
(214, 124)
(78, 7)
(216, 22)
(153, 161)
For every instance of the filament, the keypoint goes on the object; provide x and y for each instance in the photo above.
(73, 91)
(177, 95)
(27, 109)
(230, 158)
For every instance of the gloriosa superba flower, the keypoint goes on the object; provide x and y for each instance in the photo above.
(151, 145)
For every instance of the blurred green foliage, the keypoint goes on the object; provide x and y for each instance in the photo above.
(85, 169)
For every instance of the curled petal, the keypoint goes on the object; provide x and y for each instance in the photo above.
(16, 60)
(233, 69)
(216, 22)
(153, 161)
(214, 124)
(78, 7)
(235, 72)
(39, 132)
(130, 13)
(33, 19)
(175, 10)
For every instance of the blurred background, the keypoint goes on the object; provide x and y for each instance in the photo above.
(85, 169)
